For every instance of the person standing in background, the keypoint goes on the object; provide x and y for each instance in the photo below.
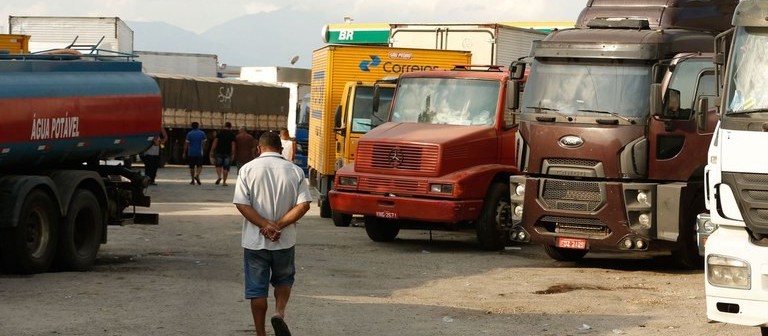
(289, 146)
(272, 195)
(223, 152)
(151, 156)
(245, 149)
(193, 152)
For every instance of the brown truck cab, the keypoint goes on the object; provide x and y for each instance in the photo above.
(443, 160)
(614, 130)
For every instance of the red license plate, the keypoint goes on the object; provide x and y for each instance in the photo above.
(386, 214)
(572, 243)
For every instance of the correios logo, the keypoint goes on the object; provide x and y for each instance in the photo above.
(392, 67)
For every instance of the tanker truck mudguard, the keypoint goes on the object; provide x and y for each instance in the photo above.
(442, 161)
(614, 129)
(736, 267)
(62, 115)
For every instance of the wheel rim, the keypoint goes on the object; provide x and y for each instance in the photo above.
(37, 233)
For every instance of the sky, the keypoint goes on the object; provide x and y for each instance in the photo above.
(200, 15)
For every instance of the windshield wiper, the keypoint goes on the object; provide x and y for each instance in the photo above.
(539, 108)
(744, 112)
(611, 113)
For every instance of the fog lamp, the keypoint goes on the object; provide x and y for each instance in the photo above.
(519, 211)
(520, 190)
(644, 220)
(642, 197)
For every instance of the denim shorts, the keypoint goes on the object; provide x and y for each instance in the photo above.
(258, 264)
(223, 161)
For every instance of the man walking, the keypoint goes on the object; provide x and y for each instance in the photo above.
(289, 146)
(223, 152)
(193, 152)
(272, 195)
(245, 150)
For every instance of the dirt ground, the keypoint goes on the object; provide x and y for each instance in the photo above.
(184, 277)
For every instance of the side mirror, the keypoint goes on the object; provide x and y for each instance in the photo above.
(656, 101)
(337, 124)
(517, 70)
(376, 99)
(513, 95)
(702, 114)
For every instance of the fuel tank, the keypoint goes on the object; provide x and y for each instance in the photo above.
(59, 112)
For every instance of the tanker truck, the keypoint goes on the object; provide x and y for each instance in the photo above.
(63, 116)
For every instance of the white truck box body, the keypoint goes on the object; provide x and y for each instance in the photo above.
(55, 32)
(171, 63)
(489, 43)
(295, 79)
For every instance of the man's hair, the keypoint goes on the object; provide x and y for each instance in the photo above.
(195, 125)
(270, 139)
(284, 130)
(228, 124)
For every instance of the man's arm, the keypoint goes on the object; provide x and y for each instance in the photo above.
(184, 151)
(293, 215)
(213, 147)
(267, 227)
(232, 150)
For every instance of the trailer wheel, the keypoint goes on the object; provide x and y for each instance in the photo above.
(381, 230)
(81, 232)
(325, 208)
(340, 219)
(490, 234)
(30, 246)
(564, 254)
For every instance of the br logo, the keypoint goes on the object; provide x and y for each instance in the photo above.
(365, 65)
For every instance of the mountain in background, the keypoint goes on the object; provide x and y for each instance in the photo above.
(264, 39)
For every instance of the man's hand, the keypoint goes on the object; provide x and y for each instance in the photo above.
(271, 231)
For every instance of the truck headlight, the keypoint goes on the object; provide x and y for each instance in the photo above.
(728, 272)
(348, 181)
(440, 188)
(642, 198)
(520, 190)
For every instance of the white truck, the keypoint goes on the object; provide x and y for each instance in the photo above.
(737, 177)
(490, 44)
(56, 32)
(174, 63)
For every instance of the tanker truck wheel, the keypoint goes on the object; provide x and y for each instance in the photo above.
(564, 254)
(340, 219)
(30, 247)
(380, 229)
(490, 235)
(81, 232)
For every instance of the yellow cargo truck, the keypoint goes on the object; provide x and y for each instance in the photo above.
(333, 67)
(14, 44)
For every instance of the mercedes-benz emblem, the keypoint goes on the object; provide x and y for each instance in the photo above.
(395, 157)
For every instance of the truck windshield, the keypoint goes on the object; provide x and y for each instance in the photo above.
(450, 101)
(748, 69)
(583, 89)
(362, 118)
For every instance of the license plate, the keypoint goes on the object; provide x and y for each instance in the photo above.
(572, 243)
(386, 214)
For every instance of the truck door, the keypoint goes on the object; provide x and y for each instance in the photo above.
(678, 147)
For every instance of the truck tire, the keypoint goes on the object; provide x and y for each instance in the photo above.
(325, 208)
(30, 246)
(490, 235)
(80, 233)
(564, 254)
(340, 219)
(764, 331)
(686, 253)
(381, 230)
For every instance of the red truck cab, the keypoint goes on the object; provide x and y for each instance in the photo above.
(443, 160)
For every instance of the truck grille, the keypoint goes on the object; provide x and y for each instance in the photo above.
(573, 162)
(572, 195)
(395, 186)
(751, 191)
(575, 226)
(397, 157)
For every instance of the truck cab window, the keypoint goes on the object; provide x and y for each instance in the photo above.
(686, 79)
